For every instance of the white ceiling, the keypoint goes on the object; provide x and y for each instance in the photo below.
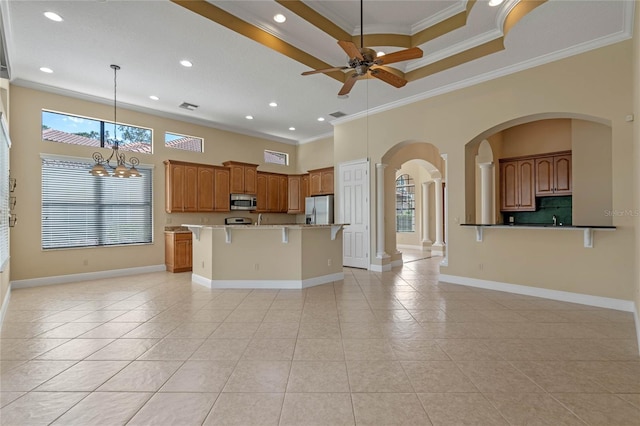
(234, 76)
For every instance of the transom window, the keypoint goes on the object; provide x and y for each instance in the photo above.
(276, 157)
(405, 204)
(188, 143)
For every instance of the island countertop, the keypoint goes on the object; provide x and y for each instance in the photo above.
(267, 226)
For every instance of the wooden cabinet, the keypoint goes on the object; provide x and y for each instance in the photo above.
(517, 185)
(553, 175)
(283, 193)
(243, 179)
(321, 181)
(191, 187)
(298, 189)
(221, 189)
(205, 193)
(178, 251)
(272, 193)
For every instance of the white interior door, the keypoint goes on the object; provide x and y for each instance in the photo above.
(353, 184)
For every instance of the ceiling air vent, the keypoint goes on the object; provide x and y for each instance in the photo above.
(187, 105)
(337, 114)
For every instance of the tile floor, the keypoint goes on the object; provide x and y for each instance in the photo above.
(374, 349)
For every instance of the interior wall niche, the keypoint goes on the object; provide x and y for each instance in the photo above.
(588, 139)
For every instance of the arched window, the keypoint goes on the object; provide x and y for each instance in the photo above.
(405, 204)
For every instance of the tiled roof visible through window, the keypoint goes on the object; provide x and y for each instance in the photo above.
(53, 135)
(186, 143)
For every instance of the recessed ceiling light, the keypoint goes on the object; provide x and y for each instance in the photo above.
(279, 18)
(53, 16)
(249, 117)
(292, 128)
(320, 118)
(495, 2)
(273, 104)
(47, 70)
(186, 63)
(381, 53)
(154, 98)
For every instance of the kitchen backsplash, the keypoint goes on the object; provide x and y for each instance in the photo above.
(546, 207)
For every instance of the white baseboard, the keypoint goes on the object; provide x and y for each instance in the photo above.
(396, 263)
(85, 276)
(380, 268)
(637, 321)
(5, 304)
(266, 284)
(563, 296)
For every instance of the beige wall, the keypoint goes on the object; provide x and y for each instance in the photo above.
(636, 159)
(451, 120)
(315, 155)
(27, 258)
(538, 137)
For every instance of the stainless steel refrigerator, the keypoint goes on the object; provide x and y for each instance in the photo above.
(319, 210)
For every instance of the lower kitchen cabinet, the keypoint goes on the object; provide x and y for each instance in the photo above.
(178, 256)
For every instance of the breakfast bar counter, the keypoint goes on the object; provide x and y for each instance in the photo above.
(267, 256)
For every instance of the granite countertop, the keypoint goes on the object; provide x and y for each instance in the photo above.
(176, 229)
(267, 226)
(538, 225)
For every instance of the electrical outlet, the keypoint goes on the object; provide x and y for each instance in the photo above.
(203, 263)
(328, 262)
(481, 266)
(256, 266)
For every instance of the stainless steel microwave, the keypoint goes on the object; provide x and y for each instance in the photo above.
(243, 202)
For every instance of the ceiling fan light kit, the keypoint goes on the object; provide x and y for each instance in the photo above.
(365, 61)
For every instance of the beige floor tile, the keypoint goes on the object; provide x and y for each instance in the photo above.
(200, 376)
(437, 377)
(104, 408)
(246, 315)
(417, 350)
(141, 376)
(319, 330)
(259, 376)
(75, 349)
(388, 409)
(617, 377)
(367, 349)
(283, 315)
(245, 409)
(110, 330)
(497, 376)
(151, 330)
(361, 330)
(600, 409)
(25, 349)
(428, 315)
(318, 376)
(123, 350)
(9, 397)
(317, 409)
(269, 350)
(26, 330)
(318, 350)
(531, 409)
(69, 330)
(235, 330)
(27, 376)
(39, 408)
(277, 330)
(210, 315)
(633, 398)
(102, 316)
(65, 316)
(136, 316)
(468, 350)
(85, 376)
(175, 409)
(378, 376)
(172, 349)
(453, 409)
(559, 376)
(221, 350)
(193, 330)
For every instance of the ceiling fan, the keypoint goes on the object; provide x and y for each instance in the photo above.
(364, 60)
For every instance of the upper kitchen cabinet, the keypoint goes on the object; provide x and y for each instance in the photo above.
(553, 174)
(243, 179)
(181, 187)
(298, 188)
(221, 189)
(321, 181)
(517, 185)
(205, 194)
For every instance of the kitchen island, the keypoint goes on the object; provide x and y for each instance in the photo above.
(266, 256)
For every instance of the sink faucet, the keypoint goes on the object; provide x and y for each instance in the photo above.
(555, 220)
(260, 219)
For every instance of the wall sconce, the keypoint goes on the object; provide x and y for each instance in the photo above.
(13, 219)
(12, 184)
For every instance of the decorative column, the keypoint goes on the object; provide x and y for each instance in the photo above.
(486, 193)
(380, 253)
(426, 239)
(438, 245)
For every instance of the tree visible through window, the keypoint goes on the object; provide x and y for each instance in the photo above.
(405, 204)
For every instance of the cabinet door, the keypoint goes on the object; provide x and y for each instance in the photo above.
(250, 180)
(237, 179)
(221, 189)
(273, 188)
(190, 188)
(183, 253)
(509, 186)
(327, 182)
(283, 194)
(174, 183)
(544, 176)
(294, 190)
(562, 168)
(205, 189)
(315, 183)
(261, 193)
(304, 191)
(527, 200)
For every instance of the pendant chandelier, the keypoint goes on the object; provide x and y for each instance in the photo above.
(121, 168)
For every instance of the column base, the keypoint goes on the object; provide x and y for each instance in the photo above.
(438, 248)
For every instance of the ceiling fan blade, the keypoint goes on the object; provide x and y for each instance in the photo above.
(324, 70)
(403, 55)
(348, 84)
(388, 77)
(351, 49)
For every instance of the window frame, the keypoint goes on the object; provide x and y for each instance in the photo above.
(406, 189)
(5, 193)
(277, 154)
(184, 136)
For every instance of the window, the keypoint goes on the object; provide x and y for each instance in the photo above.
(188, 143)
(72, 129)
(276, 157)
(81, 210)
(405, 204)
(5, 144)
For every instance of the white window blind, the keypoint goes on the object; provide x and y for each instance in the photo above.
(5, 144)
(81, 210)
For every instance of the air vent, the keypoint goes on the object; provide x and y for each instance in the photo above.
(187, 105)
(337, 114)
